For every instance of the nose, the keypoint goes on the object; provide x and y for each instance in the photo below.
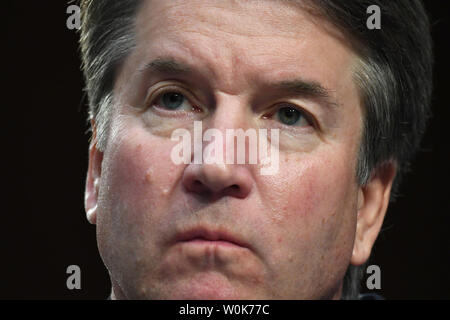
(218, 180)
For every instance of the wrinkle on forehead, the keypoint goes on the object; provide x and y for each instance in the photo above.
(180, 13)
(236, 41)
(178, 16)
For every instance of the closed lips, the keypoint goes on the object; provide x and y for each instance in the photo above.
(206, 235)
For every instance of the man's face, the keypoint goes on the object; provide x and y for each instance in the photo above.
(169, 230)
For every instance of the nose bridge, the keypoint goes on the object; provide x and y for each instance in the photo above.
(231, 115)
(231, 111)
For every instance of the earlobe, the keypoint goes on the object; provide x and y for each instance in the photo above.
(93, 179)
(373, 201)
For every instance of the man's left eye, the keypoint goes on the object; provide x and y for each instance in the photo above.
(291, 116)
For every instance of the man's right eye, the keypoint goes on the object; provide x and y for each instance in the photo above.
(174, 101)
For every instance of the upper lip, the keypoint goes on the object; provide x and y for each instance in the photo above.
(211, 235)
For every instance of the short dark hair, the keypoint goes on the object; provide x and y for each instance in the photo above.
(395, 79)
(394, 76)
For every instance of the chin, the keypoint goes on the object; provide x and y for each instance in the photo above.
(207, 288)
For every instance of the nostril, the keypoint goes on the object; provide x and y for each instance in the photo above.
(236, 190)
(198, 186)
(233, 190)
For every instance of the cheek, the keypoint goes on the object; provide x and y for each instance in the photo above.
(137, 182)
(312, 214)
(312, 201)
(308, 185)
(139, 169)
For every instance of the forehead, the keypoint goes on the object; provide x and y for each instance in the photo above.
(237, 42)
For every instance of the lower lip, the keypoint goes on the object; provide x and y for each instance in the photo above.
(204, 242)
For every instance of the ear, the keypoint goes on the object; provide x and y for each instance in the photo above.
(93, 177)
(373, 200)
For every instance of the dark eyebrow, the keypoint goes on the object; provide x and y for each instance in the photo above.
(166, 65)
(296, 87)
(300, 87)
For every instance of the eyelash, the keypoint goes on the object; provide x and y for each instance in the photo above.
(308, 117)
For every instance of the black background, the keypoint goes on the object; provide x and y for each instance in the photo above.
(44, 228)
